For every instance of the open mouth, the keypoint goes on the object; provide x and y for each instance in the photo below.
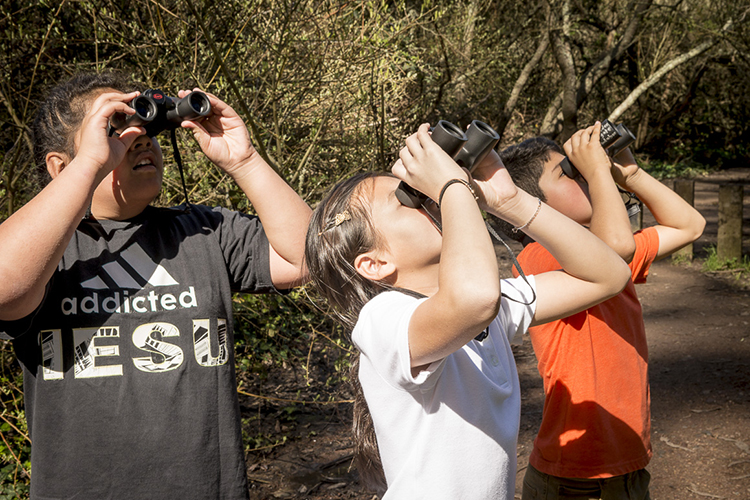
(145, 163)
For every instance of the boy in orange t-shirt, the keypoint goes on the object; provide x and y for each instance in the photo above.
(594, 440)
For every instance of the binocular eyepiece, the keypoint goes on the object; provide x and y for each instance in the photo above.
(156, 112)
(467, 149)
(613, 138)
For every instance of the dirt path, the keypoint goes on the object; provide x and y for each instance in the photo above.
(698, 328)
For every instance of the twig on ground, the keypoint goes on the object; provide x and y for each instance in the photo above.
(298, 401)
(693, 489)
(666, 440)
(707, 410)
(739, 444)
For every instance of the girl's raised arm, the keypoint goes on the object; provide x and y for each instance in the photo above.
(591, 271)
(465, 293)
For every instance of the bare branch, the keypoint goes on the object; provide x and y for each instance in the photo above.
(666, 68)
(607, 59)
(523, 78)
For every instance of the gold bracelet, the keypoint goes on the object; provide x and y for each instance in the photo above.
(538, 208)
(454, 181)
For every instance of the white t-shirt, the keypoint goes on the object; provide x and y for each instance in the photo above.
(451, 431)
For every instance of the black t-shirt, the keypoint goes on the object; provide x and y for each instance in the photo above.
(128, 363)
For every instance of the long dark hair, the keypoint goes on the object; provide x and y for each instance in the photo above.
(331, 248)
(340, 230)
(60, 115)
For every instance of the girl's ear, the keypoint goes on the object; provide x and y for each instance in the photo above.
(56, 162)
(374, 266)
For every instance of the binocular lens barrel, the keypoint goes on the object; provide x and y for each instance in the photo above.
(145, 111)
(199, 102)
(449, 137)
(481, 140)
(144, 107)
(626, 139)
(467, 149)
(192, 106)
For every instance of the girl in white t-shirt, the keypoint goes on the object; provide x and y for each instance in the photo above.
(433, 321)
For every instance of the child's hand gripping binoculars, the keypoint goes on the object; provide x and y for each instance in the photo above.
(467, 149)
(613, 138)
(156, 112)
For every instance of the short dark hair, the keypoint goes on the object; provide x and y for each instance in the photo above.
(525, 164)
(60, 115)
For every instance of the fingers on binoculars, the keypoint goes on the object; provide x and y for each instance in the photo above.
(596, 130)
(423, 134)
(398, 169)
(113, 102)
(413, 146)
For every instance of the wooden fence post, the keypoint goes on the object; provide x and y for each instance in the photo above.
(729, 236)
(686, 190)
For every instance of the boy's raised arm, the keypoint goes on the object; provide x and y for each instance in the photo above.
(678, 222)
(224, 139)
(609, 218)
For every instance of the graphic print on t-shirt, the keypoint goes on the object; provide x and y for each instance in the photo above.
(141, 270)
(131, 270)
(125, 287)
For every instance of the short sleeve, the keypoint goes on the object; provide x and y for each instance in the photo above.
(382, 336)
(246, 251)
(646, 248)
(517, 306)
(10, 330)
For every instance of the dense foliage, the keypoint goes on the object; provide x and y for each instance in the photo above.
(331, 87)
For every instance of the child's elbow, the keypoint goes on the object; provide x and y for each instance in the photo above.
(625, 248)
(620, 276)
(697, 227)
(481, 302)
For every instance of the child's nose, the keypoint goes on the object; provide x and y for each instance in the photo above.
(143, 141)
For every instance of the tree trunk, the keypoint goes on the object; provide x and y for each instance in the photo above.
(523, 78)
(560, 39)
(655, 77)
(606, 61)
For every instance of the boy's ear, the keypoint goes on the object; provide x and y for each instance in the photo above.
(56, 162)
(374, 266)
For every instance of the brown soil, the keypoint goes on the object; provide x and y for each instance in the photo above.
(698, 326)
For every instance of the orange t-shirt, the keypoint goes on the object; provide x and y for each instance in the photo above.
(596, 420)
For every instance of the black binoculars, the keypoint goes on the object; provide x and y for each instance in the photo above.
(156, 112)
(613, 138)
(467, 149)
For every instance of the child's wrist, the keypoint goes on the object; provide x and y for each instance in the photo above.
(596, 171)
(456, 181)
(516, 210)
(531, 219)
(630, 181)
(90, 172)
(245, 167)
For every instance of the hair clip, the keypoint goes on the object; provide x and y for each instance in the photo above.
(337, 221)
